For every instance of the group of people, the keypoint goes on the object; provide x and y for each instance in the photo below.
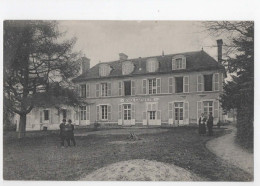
(203, 121)
(67, 132)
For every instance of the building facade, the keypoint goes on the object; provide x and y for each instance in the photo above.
(168, 89)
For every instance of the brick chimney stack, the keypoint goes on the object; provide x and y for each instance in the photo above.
(84, 65)
(220, 44)
(123, 56)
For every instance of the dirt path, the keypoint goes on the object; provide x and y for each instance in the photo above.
(226, 148)
(141, 170)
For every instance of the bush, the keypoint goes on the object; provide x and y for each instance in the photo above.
(96, 125)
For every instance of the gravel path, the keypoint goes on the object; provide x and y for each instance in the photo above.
(141, 170)
(226, 148)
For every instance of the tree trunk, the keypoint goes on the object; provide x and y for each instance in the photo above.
(22, 125)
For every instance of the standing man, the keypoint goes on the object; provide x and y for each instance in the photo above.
(62, 132)
(210, 124)
(70, 133)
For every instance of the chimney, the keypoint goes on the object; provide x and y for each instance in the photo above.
(123, 56)
(219, 43)
(84, 65)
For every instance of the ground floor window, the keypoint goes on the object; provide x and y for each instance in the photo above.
(46, 115)
(152, 115)
(178, 111)
(83, 113)
(104, 112)
(127, 112)
(208, 107)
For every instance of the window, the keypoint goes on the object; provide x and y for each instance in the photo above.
(179, 84)
(104, 89)
(127, 86)
(83, 91)
(46, 115)
(178, 107)
(152, 86)
(208, 107)
(152, 115)
(127, 112)
(104, 112)
(178, 63)
(83, 113)
(208, 82)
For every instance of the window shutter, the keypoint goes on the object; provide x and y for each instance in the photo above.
(87, 90)
(120, 88)
(109, 115)
(216, 109)
(170, 81)
(109, 89)
(158, 115)
(158, 83)
(170, 110)
(149, 107)
(133, 87)
(119, 111)
(199, 109)
(41, 116)
(173, 64)
(216, 82)
(144, 86)
(186, 110)
(98, 113)
(88, 112)
(144, 115)
(184, 62)
(97, 90)
(186, 84)
(199, 83)
(51, 116)
(133, 111)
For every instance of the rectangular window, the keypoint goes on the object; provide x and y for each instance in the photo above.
(127, 86)
(208, 107)
(46, 115)
(208, 82)
(152, 86)
(104, 112)
(179, 84)
(152, 115)
(178, 63)
(83, 113)
(178, 107)
(104, 89)
(127, 112)
(83, 91)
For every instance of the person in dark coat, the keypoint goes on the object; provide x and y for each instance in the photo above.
(70, 133)
(210, 124)
(202, 124)
(62, 132)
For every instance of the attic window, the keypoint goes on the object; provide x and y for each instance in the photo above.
(104, 70)
(152, 65)
(178, 62)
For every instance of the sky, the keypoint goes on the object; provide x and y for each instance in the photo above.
(104, 40)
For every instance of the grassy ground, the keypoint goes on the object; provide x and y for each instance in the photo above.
(39, 157)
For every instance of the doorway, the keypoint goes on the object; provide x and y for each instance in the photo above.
(127, 114)
(178, 113)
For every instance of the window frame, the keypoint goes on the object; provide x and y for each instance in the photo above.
(44, 111)
(104, 91)
(153, 86)
(83, 91)
(103, 118)
(83, 112)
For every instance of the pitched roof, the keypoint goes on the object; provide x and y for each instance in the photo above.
(195, 61)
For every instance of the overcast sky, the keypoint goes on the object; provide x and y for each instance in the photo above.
(104, 40)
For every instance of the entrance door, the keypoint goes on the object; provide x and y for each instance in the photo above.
(151, 117)
(127, 114)
(178, 113)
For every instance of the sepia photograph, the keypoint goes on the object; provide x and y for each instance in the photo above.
(128, 100)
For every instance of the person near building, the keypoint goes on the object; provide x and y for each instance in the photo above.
(202, 124)
(62, 132)
(210, 124)
(70, 133)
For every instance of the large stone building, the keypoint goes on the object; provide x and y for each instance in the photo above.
(168, 89)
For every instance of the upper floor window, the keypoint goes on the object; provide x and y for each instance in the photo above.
(152, 86)
(83, 90)
(178, 62)
(46, 115)
(127, 67)
(208, 82)
(104, 70)
(104, 89)
(152, 65)
(182, 84)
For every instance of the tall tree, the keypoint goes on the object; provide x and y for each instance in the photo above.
(33, 52)
(239, 91)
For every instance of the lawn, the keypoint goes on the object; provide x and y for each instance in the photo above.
(39, 156)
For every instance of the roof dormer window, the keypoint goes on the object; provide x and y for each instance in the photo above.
(104, 70)
(152, 65)
(127, 67)
(178, 62)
